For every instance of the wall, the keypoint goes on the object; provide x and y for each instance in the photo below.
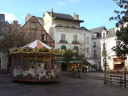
(47, 22)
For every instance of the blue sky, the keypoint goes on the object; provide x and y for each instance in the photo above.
(95, 13)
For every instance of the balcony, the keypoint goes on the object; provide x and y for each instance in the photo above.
(63, 41)
(94, 57)
(75, 42)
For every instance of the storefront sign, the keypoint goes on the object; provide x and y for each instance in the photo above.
(117, 60)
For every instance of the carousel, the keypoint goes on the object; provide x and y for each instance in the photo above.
(36, 62)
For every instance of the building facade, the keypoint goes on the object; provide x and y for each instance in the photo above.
(96, 45)
(108, 41)
(2, 18)
(66, 31)
(34, 29)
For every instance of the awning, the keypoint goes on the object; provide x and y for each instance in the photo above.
(74, 61)
(63, 47)
(117, 60)
(91, 62)
(75, 48)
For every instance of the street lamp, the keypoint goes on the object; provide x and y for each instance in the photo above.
(105, 63)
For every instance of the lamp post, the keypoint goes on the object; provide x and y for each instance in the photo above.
(105, 64)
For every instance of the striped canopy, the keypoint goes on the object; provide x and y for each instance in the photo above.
(38, 44)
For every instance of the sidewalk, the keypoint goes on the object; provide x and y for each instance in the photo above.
(101, 75)
(5, 71)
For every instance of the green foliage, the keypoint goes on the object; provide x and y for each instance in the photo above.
(122, 42)
(68, 56)
(121, 47)
(122, 15)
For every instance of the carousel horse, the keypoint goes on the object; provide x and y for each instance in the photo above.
(31, 71)
(43, 74)
(17, 71)
(52, 74)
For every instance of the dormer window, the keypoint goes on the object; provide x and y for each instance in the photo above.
(33, 25)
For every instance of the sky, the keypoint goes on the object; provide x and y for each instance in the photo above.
(95, 13)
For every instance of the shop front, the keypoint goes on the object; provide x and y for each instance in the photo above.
(118, 64)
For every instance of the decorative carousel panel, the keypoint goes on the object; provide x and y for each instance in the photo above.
(27, 50)
(15, 50)
(43, 51)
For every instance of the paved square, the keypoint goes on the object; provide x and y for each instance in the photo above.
(68, 86)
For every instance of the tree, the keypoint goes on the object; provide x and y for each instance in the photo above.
(122, 17)
(68, 56)
(11, 37)
(121, 48)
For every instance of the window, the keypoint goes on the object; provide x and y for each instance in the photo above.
(87, 50)
(117, 42)
(94, 44)
(44, 37)
(63, 37)
(87, 39)
(109, 57)
(94, 53)
(74, 37)
(104, 46)
(103, 35)
(33, 25)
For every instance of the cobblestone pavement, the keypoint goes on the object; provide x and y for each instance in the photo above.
(67, 86)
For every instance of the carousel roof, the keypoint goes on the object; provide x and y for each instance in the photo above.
(38, 44)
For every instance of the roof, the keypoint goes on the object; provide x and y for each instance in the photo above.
(64, 17)
(38, 44)
(98, 29)
(85, 29)
(111, 33)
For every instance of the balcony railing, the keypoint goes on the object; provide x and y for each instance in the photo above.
(94, 56)
(75, 42)
(63, 41)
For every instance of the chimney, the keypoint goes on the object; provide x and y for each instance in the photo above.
(51, 13)
(15, 22)
(76, 17)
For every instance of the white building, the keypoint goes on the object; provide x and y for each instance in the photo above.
(96, 45)
(108, 41)
(66, 31)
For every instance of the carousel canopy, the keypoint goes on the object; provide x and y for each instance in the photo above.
(38, 44)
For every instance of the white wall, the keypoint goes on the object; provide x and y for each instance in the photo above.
(50, 25)
(47, 22)
(110, 43)
(69, 32)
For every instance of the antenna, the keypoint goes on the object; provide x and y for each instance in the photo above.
(103, 23)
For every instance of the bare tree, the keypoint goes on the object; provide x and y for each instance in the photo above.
(11, 37)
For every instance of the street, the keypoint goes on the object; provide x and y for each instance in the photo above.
(67, 86)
